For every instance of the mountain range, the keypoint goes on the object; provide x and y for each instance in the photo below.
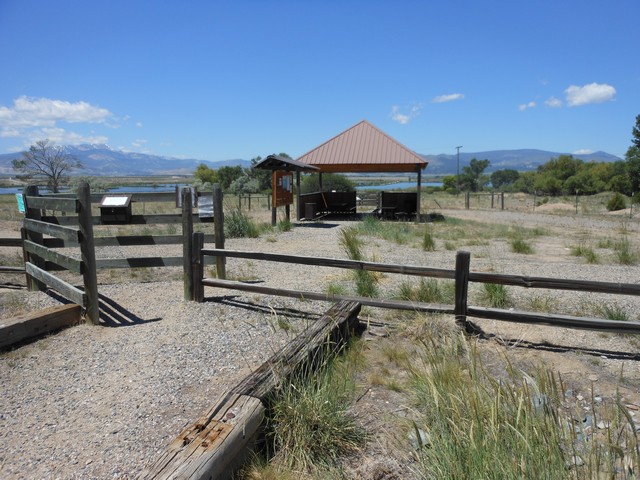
(101, 160)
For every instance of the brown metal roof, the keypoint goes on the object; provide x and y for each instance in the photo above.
(363, 148)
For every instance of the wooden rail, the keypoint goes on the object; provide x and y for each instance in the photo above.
(461, 275)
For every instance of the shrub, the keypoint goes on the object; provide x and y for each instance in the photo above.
(238, 225)
(496, 295)
(616, 202)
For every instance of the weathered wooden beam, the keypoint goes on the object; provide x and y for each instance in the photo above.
(70, 263)
(53, 203)
(335, 262)
(515, 316)
(328, 333)
(124, 241)
(38, 323)
(216, 444)
(66, 290)
(556, 283)
(463, 260)
(58, 231)
(302, 295)
(135, 219)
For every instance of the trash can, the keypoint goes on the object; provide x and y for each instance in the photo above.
(310, 210)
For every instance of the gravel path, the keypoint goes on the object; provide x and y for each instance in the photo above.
(99, 402)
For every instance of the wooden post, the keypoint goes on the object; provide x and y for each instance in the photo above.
(197, 267)
(501, 200)
(300, 214)
(187, 244)
(418, 190)
(491, 200)
(249, 206)
(467, 195)
(88, 253)
(218, 223)
(274, 216)
(462, 287)
(34, 214)
(239, 201)
(287, 212)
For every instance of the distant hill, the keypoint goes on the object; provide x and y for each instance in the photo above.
(100, 160)
(521, 160)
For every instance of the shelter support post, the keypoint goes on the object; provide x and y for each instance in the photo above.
(298, 206)
(418, 189)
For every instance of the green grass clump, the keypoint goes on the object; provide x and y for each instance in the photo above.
(519, 245)
(310, 426)
(496, 295)
(428, 242)
(613, 312)
(285, 225)
(426, 291)
(365, 281)
(625, 254)
(587, 253)
(239, 225)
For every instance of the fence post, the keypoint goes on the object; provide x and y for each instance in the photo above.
(491, 200)
(34, 214)
(218, 223)
(249, 206)
(88, 253)
(197, 267)
(462, 288)
(501, 200)
(467, 195)
(187, 245)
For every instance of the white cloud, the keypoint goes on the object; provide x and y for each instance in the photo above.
(404, 118)
(553, 102)
(138, 142)
(139, 124)
(448, 98)
(583, 151)
(592, 93)
(62, 137)
(37, 118)
(522, 107)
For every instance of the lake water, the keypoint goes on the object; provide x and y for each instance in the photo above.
(169, 187)
(398, 186)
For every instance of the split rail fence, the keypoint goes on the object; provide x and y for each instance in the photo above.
(44, 235)
(461, 275)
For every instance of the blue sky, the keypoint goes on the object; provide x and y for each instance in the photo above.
(220, 80)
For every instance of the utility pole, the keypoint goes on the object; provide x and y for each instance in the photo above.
(458, 169)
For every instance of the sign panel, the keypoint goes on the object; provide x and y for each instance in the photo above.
(282, 187)
(20, 200)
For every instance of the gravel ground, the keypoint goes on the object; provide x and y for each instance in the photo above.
(101, 402)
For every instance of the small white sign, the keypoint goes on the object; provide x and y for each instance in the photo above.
(115, 201)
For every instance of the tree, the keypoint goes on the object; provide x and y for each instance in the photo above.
(260, 175)
(504, 178)
(226, 175)
(205, 175)
(330, 181)
(633, 159)
(48, 160)
(472, 177)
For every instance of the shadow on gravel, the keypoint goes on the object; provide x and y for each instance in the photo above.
(316, 225)
(233, 301)
(550, 347)
(113, 314)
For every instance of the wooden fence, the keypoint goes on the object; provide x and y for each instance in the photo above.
(461, 275)
(73, 228)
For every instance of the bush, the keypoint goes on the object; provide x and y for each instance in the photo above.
(239, 225)
(616, 202)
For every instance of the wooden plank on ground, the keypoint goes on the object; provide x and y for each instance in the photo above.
(215, 446)
(65, 289)
(38, 323)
